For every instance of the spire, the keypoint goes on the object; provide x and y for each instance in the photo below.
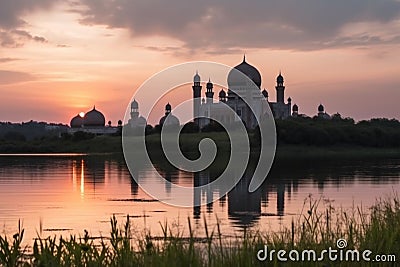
(279, 79)
(244, 57)
(196, 78)
(209, 85)
(167, 109)
(94, 107)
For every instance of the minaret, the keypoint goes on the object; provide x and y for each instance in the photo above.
(280, 89)
(134, 110)
(196, 98)
(209, 92)
(167, 109)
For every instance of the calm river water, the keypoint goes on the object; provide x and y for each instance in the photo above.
(65, 194)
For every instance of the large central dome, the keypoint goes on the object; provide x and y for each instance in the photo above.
(248, 70)
(94, 118)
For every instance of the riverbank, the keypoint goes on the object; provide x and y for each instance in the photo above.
(350, 236)
(189, 143)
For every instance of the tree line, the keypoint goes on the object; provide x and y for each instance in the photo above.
(379, 132)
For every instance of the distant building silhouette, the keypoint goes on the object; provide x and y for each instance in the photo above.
(168, 119)
(136, 121)
(237, 97)
(239, 92)
(322, 114)
(91, 122)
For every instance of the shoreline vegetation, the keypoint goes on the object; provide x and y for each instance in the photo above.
(305, 137)
(318, 227)
(113, 145)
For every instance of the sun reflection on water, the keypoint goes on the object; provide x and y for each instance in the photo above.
(82, 179)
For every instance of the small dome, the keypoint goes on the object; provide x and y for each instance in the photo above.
(295, 108)
(279, 79)
(196, 77)
(94, 118)
(169, 120)
(222, 93)
(141, 121)
(289, 100)
(76, 122)
(246, 69)
(321, 108)
(135, 104)
(265, 93)
(168, 107)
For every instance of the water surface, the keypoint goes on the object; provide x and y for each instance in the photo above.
(68, 193)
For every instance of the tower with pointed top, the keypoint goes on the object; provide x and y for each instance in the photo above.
(209, 92)
(134, 109)
(239, 91)
(196, 97)
(280, 89)
(280, 108)
(167, 109)
(136, 121)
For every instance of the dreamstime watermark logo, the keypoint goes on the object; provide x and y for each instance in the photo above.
(332, 254)
(341, 243)
(244, 108)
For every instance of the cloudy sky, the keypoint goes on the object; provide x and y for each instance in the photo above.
(58, 58)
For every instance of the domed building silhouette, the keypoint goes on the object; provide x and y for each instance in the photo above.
(136, 121)
(295, 110)
(168, 119)
(92, 121)
(240, 90)
(235, 78)
(94, 118)
(322, 114)
(76, 122)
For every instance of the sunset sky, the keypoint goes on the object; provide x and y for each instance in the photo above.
(58, 58)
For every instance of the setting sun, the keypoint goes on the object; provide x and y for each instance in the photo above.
(82, 114)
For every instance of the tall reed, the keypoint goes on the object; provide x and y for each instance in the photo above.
(318, 227)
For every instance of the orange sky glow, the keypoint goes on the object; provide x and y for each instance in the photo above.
(70, 59)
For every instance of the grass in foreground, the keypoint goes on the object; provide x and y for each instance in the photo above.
(315, 229)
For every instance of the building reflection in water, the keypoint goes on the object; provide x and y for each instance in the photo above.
(245, 209)
(200, 179)
(134, 187)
